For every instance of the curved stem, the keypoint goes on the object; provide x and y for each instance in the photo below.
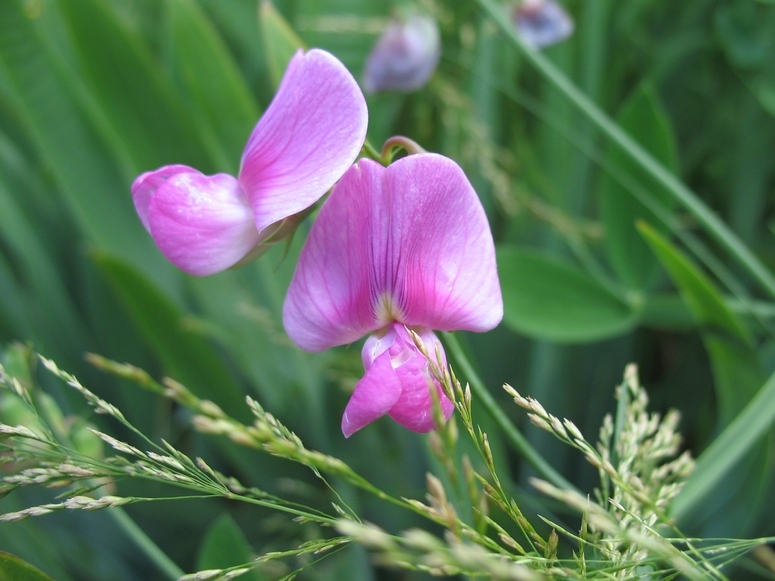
(510, 431)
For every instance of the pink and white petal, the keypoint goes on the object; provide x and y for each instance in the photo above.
(202, 224)
(307, 138)
(414, 409)
(145, 186)
(329, 301)
(440, 247)
(376, 393)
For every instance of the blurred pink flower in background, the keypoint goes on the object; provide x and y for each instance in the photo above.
(542, 23)
(396, 248)
(311, 133)
(405, 56)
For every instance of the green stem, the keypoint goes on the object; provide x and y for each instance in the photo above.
(688, 199)
(146, 544)
(510, 431)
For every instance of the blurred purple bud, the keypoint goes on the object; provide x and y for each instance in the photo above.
(405, 56)
(542, 23)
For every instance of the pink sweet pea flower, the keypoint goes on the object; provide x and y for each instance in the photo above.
(307, 138)
(542, 23)
(396, 248)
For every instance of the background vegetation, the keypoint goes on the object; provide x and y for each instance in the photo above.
(579, 154)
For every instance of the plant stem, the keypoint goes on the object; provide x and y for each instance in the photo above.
(146, 544)
(510, 431)
(686, 197)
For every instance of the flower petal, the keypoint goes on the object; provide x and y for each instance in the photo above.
(145, 186)
(414, 409)
(306, 139)
(373, 397)
(441, 257)
(408, 243)
(202, 224)
(329, 299)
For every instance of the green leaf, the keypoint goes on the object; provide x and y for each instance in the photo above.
(716, 462)
(188, 358)
(39, 279)
(212, 78)
(735, 366)
(226, 546)
(280, 40)
(135, 94)
(547, 298)
(78, 158)
(630, 256)
(12, 568)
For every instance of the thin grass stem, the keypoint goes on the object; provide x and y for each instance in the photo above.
(510, 432)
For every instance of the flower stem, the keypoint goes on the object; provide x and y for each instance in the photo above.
(369, 151)
(146, 544)
(682, 194)
(510, 431)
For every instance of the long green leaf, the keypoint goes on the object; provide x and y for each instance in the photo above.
(736, 369)
(211, 77)
(545, 297)
(642, 117)
(682, 194)
(280, 40)
(12, 568)
(92, 182)
(716, 462)
(187, 357)
(136, 95)
(225, 546)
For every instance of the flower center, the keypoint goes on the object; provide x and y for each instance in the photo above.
(387, 310)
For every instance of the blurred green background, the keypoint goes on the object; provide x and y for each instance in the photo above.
(95, 92)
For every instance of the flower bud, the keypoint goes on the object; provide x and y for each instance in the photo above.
(405, 56)
(542, 23)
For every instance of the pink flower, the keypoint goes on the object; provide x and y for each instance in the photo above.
(396, 248)
(542, 23)
(405, 56)
(307, 138)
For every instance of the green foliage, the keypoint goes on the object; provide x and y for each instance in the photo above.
(14, 569)
(660, 112)
(619, 535)
(547, 298)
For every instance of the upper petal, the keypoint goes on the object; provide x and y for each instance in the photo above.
(442, 255)
(310, 134)
(408, 243)
(329, 300)
(202, 224)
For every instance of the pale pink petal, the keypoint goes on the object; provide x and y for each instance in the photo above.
(202, 224)
(441, 256)
(145, 186)
(329, 301)
(373, 397)
(307, 138)
(408, 243)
